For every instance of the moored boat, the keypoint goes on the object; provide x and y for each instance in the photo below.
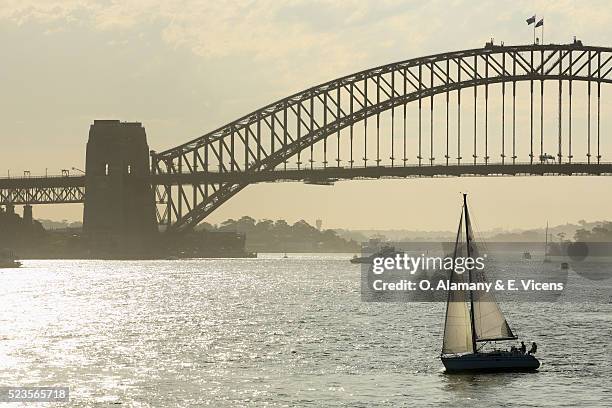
(7, 259)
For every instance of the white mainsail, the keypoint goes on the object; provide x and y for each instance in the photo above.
(457, 326)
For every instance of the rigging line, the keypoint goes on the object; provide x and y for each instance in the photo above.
(477, 232)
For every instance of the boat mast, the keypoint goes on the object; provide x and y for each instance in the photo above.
(467, 245)
(546, 243)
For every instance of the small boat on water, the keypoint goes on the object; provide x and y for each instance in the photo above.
(474, 317)
(526, 255)
(7, 259)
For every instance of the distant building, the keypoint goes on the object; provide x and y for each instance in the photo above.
(319, 224)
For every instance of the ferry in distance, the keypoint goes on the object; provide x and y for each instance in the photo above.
(386, 251)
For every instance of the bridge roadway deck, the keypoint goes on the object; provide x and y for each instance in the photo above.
(346, 173)
(22, 190)
(42, 182)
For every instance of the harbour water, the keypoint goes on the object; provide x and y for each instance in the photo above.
(274, 332)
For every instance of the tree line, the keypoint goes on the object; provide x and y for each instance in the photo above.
(280, 236)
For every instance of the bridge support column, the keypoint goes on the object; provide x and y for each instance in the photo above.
(27, 214)
(119, 212)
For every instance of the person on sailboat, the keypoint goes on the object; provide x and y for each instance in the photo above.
(523, 347)
(534, 348)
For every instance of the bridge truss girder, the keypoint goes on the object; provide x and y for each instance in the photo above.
(42, 195)
(290, 129)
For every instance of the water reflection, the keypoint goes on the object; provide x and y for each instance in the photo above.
(273, 332)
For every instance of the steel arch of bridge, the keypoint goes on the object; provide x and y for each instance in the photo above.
(219, 164)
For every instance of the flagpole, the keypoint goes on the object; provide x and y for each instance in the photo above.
(532, 20)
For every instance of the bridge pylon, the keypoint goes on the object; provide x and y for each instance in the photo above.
(119, 210)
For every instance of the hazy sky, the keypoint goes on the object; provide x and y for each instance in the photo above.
(183, 68)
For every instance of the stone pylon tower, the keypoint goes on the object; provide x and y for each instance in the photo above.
(119, 213)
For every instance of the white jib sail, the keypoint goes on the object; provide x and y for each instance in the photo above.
(489, 321)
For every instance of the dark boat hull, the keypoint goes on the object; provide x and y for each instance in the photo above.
(490, 362)
(10, 264)
(362, 260)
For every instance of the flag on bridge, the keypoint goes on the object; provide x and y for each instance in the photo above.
(531, 20)
(540, 23)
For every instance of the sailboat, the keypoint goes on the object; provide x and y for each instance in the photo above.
(474, 317)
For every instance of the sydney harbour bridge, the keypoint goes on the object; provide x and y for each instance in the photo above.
(494, 111)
